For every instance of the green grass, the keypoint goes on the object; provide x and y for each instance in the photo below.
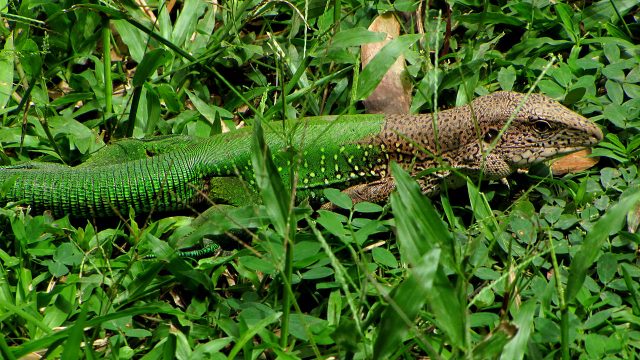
(544, 269)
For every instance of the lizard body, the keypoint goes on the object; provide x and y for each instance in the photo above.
(346, 152)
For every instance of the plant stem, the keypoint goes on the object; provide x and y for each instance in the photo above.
(106, 62)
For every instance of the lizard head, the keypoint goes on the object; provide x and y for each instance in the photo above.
(540, 129)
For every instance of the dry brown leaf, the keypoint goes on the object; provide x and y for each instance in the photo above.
(574, 162)
(393, 94)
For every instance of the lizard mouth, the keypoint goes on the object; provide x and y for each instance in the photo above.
(526, 157)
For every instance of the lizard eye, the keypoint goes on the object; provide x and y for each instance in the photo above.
(541, 126)
(490, 135)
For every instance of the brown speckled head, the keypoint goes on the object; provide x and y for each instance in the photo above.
(469, 139)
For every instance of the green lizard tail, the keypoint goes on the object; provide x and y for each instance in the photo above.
(162, 183)
(178, 179)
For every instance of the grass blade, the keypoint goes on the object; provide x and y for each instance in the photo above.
(150, 63)
(420, 231)
(72, 348)
(269, 182)
(377, 68)
(523, 319)
(407, 300)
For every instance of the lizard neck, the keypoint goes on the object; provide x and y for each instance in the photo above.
(413, 139)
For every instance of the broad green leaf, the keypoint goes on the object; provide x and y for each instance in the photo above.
(633, 76)
(367, 207)
(480, 319)
(378, 66)
(607, 267)
(168, 94)
(355, 37)
(597, 345)
(317, 273)
(56, 268)
(305, 326)
(384, 257)
(30, 56)
(72, 98)
(610, 223)
(614, 91)
(137, 333)
(419, 222)
(632, 90)
(614, 72)
(212, 113)
(491, 346)
(420, 232)
(257, 264)
(305, 251)
(574, 95)
(631, 287)
(551, 88)
(612, 52)
(507, 77)
(73, 345)
(564, 11)
(562, 75)
(187, 21)
(482, 212)
(614, 114)
(597, 319)
(338, 198)
(150, 63)
(132, 37)
(153, 109)
(68, 254)
(523, 320)
(7, 55)
(588, 63)
(406, 301)
(255, 328)
(603, 11)
(369, 228)
(333, 223)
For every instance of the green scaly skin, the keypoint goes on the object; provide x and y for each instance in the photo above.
(177, 179)
(494, 135)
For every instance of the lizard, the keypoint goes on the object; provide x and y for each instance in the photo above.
(493, 135)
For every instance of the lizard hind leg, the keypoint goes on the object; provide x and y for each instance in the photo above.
(379, 190)
(376, 191)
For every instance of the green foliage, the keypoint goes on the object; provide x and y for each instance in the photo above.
(546, 269)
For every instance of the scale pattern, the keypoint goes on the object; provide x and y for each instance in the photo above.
(494, 135)
(180, 178)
